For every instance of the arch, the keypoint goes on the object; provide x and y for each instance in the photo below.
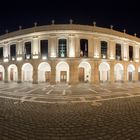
(104, 71)
(62, 72)
(130, 72)
(84, 70)
(44, 72)
(2, 72)
(12, 73)
(27, 72)
(118, 72)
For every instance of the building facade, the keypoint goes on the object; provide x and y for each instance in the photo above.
(69, 53)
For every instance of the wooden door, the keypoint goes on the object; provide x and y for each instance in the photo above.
(63, 76)
(139, 76)
(81, 74)
(1, 76)
(47, 76)
(130, 76)
(11, 74)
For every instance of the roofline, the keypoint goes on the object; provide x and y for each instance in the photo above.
(57, 27)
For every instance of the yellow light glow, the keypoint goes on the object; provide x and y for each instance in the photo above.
(6, 60)
(35, 57)
(19, 58)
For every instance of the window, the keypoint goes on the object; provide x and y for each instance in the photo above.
(83, 48)
(1, 52)
(44, 48)
(118, 52)
(62, 47)
(13, 51)
(103, 49)
(27, 50)
(131, 53)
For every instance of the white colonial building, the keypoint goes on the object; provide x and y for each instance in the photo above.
(69, 53)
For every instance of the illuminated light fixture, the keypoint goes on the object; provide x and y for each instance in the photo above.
(112, 57)
(125, 59)
(53, 55)
(44, 57)
(6, 60)
(71, 54)
(104, 56)
(19, 58)
(96, 55)
(137, 60)
(35, 57)
(28, 56)
(13, 59)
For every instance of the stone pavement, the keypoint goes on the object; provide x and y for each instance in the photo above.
(112, 119)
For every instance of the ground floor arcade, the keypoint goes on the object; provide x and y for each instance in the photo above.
(70, 71)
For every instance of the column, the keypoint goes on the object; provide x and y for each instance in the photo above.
(71, 46)
(136, 53)
(77, 48)
(111, 50)
(125, 52)
(96, 72)
(6, 75)
(74, 72)
(92, 72)
(35, 76)
(19, 74)
(90, 48)
(52, 49)
(35, 48)
(112, 72)
(19, 50)
(136, 72)
(53, 72)
(97, 49)
(125, 72)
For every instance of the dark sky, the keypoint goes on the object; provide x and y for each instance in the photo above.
(119, 13)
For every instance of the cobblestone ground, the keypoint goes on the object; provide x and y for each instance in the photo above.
(117, 119)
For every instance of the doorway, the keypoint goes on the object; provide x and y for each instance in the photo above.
(1, 76)
(63, 76)
(81, 74)
(47, 76)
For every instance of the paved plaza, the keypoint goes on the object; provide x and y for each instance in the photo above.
(70, 112)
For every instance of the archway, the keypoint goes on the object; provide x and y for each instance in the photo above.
(84, 70)
(62, 72)
(2, 73)
(12, 73)
(130, 72)
(104, 70)
(44, 72)
(27, 72)
(118, 72)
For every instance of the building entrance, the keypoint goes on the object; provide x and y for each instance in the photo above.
(63, 76)
(1, 76)
(47, 76)
(81, 74)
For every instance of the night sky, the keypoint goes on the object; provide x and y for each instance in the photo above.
(118, 13)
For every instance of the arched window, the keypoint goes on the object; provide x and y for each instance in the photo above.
(44, 48)
(62, 48)
(103, 49)
(118, 52)
(83, 48)
(1, 52)
(131, 53)
(27, 50)
(13, 51)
